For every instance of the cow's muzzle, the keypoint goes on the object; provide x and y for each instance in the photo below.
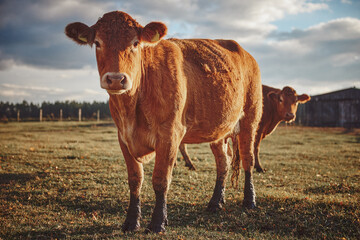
(289, 117)
(116, 83)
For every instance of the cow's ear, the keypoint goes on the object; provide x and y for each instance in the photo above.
(80, 33)
(273, 96)
(153, 32)
(303, 98)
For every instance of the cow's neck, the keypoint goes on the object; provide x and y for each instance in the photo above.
(127, 111)
(272, 119)
(123, 108)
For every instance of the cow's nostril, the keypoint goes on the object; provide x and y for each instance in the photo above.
(108, 80)
(123, 80)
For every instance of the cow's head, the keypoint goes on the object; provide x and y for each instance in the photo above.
(286, 102)
(118, 39)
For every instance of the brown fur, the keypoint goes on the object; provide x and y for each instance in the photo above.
(189, 91)
(278, 105)
(274, 112)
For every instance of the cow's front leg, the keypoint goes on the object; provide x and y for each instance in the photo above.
(166, 152)
(222, 155)
(135, 179)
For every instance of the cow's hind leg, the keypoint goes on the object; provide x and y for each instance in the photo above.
(135, 179)
(185, 154)
(258, 166)
(222, 155)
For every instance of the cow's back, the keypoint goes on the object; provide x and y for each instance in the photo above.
(220, 76)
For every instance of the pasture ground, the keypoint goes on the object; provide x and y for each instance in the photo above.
(68, 180)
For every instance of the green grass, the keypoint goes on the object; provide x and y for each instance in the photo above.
(69, 180)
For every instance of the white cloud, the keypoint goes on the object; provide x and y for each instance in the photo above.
(311, 86)
(6, 63)
(293, 47)
(346, 1)
(310, 58)
(32, 84)
(93, 92)
(86, 95)
(33, 88)
(24, 12)
(13, 93)
(344, 59)
(34, 29)
(319, 59)
(246, 21)
(334, 30)
(339, 37)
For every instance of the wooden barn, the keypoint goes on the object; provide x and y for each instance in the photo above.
(335, 109)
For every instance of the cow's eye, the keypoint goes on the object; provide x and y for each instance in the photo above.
(136, 43)
(97, 44)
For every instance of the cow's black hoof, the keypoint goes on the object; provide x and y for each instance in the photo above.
(249, 205)
(130, 226)
(190, 166)
(214, 207)
(260, 170)
(155, 228)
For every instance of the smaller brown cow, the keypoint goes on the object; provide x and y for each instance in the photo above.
(278, 105)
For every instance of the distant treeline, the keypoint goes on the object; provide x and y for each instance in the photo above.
(51, 111)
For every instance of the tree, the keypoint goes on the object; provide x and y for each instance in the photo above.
(51, 111)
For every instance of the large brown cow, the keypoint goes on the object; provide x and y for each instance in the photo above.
(164, 92)
(278, 105)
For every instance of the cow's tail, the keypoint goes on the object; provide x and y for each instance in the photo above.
(235, 163)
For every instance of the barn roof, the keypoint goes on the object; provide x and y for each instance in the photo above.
(344, 94)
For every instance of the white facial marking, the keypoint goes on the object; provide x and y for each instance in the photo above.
(116, 92)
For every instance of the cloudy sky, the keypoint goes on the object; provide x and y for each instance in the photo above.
(311, 45)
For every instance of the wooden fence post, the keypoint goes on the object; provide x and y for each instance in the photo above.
(18, 115)
(41, 115)
(79, 114)
(98, 115)
(61, 115)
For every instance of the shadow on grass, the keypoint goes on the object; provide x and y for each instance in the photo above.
(288, 218)
(9, 178)
(333, 188)
(103, 206)
(281, 217)
(91, 232)
(352, 131)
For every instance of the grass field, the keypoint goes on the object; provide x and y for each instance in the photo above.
(69, 180)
